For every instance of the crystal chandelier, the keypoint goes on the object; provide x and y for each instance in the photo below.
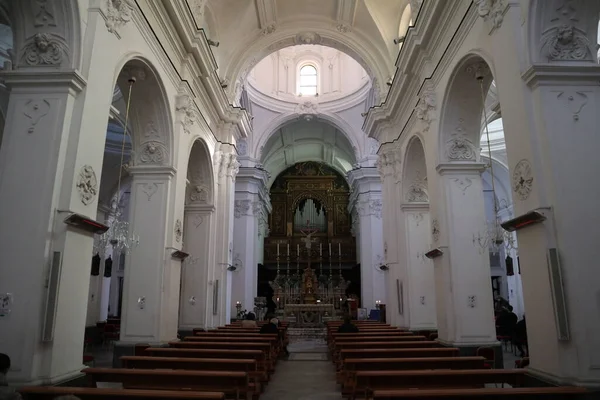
(494, 237)
(118, 234)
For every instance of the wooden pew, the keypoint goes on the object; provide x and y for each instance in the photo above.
(272, 339)
(402, 344)
(267, 348)
(257, 355)
(248, 366)
(357, 337)
(396, 353)
(367, 381)
(533, 393)
(352, 365)
(233, 384)
(51, 392)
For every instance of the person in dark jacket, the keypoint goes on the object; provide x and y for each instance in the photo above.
(347, 326)
(520, 336)
(6, 392)
(272, 327)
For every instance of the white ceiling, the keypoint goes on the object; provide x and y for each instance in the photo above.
(307, 141)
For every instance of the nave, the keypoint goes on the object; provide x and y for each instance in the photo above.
(375, 361)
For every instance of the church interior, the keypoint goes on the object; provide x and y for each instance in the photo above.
(311, 199)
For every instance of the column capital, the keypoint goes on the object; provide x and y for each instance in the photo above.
(460, 168)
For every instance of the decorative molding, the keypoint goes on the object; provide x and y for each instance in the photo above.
(463, 184)
(153, 152)
(415, 7)
(492, 11)
(242, 147)
(389, 163)
(44, 13)
(575, 102)
(187, 109)
(417, 191)
(307, 109)
(426, 107)
(241, 208)
(370, 207)
(149, 189)
(479, 69)
(150, 131)
(198, 220)
(435, 230)
(118, 14)
(44, 49)
(308, 38)
(267, 30)
(566, 43)
(87, 184)
(373, 145)
(418, 217)
(35, 110)
(471, 301)
(199, 193)
(178, 230)
(459, 147)
(232, 166)
(522, 179)
(343, 28)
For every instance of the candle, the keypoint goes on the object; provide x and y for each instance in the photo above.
(238, 302)
(329, 249)
(277, 248)
(288, 249)
(340, 249)
(320, 249)
(298, 250)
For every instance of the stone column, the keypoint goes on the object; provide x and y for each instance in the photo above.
(366, 198)
(195, 298)
(150, 305)
(96, 292)
(550, 116)
(250, 207)
(463, 285)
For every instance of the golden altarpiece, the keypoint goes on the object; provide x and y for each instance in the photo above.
(310, 241)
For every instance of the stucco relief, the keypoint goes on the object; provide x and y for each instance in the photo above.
(198, 193)
(118, 14)
(198, 220)
(232, 166)
(566, 43)
(35, 110)
(149, 189)
(425, 110)
(308, 38)
(435, 230)
(153, 152)
(241, 208)
(372, 207)
(178, 230)
(44, 49)
(522, 179)
(574, 101)
(491, 11)
(459, 147)
(463, 184)
(417, 190)
(389, 163)
(373, 146)
(267, 30)
(187, 109)
(242, 147)
(87, 184)
(43, 13)
(151, 132)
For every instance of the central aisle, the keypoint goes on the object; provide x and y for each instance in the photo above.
(302, 380)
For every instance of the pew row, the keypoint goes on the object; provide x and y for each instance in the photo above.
(51, 392)
(533, 393)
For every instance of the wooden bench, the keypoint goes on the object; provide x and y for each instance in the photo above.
(352, 365)
(268, 348)
(234, 384)
(533, 393)
(397, 353)
(51, 392)
(248, 366)
(273, 339)
(367, 381)
(257, 355)
(381, 345)
(350, 337)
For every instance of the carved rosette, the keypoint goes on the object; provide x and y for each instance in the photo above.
(87, 184)
(118, 14)
(43, 50)
(178, 230)
(153, 152)
(241, 208)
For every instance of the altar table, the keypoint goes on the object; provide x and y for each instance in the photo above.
(309, 314)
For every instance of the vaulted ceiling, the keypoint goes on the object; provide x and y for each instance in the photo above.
(307, 141)
(248, 30)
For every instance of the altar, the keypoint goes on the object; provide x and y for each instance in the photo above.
(308, 314)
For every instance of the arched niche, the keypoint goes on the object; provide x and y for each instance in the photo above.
(415, 187)
(149, 113)
(462, 108)
(200, 188)
(562, 32)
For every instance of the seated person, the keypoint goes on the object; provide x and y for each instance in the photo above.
(250, 321)
(6, 392)
(272, 327)
(347, 326)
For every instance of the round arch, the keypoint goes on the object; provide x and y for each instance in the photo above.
(200, 190)
(152, 121)
(250, 52)
(462, 108)
(414, 174)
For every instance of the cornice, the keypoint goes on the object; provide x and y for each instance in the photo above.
(457, 168)
(421, 206)
(201, 208)
(562, 75)
(69, 80)
(152, 170)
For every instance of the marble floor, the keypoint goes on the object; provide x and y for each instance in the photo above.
(303, 380)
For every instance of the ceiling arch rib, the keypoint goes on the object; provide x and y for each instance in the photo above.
(307, 141)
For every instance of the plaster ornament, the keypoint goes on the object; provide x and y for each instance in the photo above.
(307, 108)
(44, 13)
(149, 189)
(186, 107)
(197, 7)
(370, 207)
(44, 49)
(458, 147)
(575, 102)
(198, 220)
(471, 301)
(418, 218)
(153, 153)
(343, 28)
(522, 179)
(463, 184)
(426, 107)
(308, 38)
(269, 29)
(198, 194)
(118, 14)
(137, 72)
(242, 147)
(415, 7)
(178, 230)
(87, 184)
(150, 132)
(479, 69)
(373, 146)
(233, 166)
(491, 11)
(567, 43)
(35, 110)
(417, 191)
(435, 230)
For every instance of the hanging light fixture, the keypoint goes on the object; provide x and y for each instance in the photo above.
(118, 234)
(494, 237)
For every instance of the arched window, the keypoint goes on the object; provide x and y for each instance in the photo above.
(308, 80)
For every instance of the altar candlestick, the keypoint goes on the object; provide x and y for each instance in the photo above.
(329, 249)
(321, 249)
(340, 249)
(288, 249)
(278, 249)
